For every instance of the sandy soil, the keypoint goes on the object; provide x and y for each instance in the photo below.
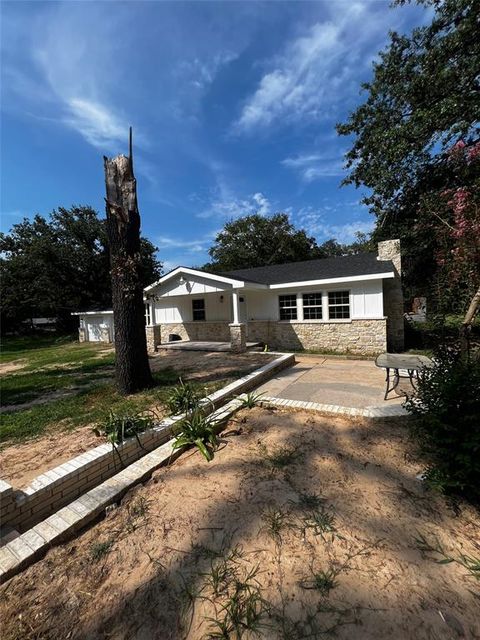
(10, 367)
(173, 557)
(20, 463)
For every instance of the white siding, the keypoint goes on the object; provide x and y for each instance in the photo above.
(175, 305)
(191, 286)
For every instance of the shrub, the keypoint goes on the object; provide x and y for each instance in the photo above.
(199, 430)
(183, 398)
(447, 408)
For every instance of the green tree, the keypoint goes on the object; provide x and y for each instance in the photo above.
(51, 267)
(256, 241)
(422, 101)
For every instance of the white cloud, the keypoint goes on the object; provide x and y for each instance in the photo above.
(225, 206)
(189, 246)
(316, 223)
(317, 69)
(313, 166)
(96, 123)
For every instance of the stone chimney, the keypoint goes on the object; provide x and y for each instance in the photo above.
(393, 295)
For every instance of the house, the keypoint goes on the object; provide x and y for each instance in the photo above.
(349, 304)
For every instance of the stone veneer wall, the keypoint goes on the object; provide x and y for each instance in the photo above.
(152, 333)
(204, 331)
(393, 295)
(358, 337)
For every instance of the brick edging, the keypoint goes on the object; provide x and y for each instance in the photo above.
(52, 490)
(34, 543)
(374, 413)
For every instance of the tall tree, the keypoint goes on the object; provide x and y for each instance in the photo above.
(255, 241)
(53, 266)
(423, 101)
(123, 229)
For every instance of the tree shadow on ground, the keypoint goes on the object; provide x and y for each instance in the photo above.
(364, 477)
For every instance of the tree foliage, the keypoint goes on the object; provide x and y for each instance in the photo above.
(51, 267)
(257, 241)
(422, 101)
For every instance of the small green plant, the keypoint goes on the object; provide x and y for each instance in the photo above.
(275, 521)
(137, 512)
(322, 581)
(321, 522)
(251, 400)
(117, 428)
(471, 564)
(183, 398)
(236, 596)
(279, 458)
(309, 501)
(200, 431)
(98, 550)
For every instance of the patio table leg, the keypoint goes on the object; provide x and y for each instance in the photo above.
(396, 380)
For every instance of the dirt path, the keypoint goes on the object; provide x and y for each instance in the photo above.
(308, 523)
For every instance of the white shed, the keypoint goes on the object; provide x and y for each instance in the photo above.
(95, 326)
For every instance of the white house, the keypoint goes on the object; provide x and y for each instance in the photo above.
(349, 304)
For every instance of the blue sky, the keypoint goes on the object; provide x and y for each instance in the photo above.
(233, 107)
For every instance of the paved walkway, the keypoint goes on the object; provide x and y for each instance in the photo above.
(356, 384)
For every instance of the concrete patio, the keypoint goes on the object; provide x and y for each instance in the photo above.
(356, 384)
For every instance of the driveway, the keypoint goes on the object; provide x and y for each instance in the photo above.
(357, 384)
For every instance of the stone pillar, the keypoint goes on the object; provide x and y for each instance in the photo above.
(152, 332)
(238, 337)
(82, 334)
(393, 295)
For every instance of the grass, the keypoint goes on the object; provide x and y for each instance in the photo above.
(79, 379)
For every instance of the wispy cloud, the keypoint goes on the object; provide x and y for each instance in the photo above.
(313, 166)
(225, 206)
(95, 122)
(317, 69)
(318, 223)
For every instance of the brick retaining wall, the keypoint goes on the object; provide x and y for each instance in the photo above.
(52, 490)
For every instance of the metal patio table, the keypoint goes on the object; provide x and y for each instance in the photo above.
(398, 361)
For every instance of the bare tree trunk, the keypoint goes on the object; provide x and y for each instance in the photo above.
(123, 229)
(467, 323)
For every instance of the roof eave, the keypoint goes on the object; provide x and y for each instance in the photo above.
(304, 283)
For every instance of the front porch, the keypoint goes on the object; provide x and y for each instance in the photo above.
(199, 345)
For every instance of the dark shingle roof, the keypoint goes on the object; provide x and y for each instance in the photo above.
(360, 264)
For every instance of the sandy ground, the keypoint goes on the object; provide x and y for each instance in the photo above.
(176, 556)
(20, 463)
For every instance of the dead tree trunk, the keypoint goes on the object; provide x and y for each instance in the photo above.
(132, 369)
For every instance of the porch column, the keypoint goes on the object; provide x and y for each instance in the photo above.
(236, 308)
(238, 333)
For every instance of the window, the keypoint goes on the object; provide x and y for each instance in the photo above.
(198, 309)
(338, 305)
(148, 317)
(288, 307)
(312, 306)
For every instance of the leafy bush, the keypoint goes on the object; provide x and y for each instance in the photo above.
(183, 398)
(198, 430)
(447, 408)
(118, 428)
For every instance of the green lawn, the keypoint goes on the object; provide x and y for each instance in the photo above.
(74, 380)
